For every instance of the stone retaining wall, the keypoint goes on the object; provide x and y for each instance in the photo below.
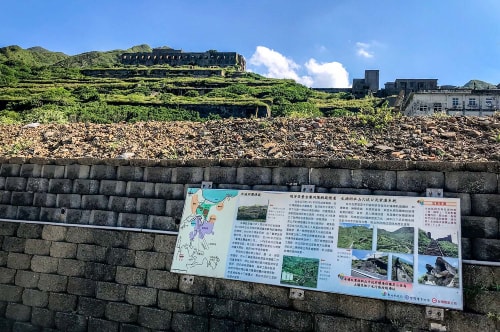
(57, 276)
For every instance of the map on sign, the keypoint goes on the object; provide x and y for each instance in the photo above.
(205, 231)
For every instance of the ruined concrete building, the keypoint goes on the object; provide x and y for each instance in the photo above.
(175, 58)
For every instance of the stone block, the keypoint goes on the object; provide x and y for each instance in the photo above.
(86, 187)
(103, 172)
(27, 279)
(13, 244)
(110, 291)
(44, 264)
(150, 260)
(71, 201)
(52, 282)
(76, 216)
(35, 298)
(140, 241)
(291, 320)
(71, 267)
(410, 315)
(158, 319)
(483, 302)
(7, 275)
(466, 248)
(121, 312)
(486, 249)
(8, 211)
(132, 328)
(151, 206)
(290, 176)
(81, 286)
(201, 286)
(101, 272)
(131, 220)
(53, 171)
(175, 302)
(232, 289)
(226, 325)
(324, 323)
(113, 188)
(24, 327)
(6, 324)
(250, 312)
(252, 175)
(130, 173)
(187, 175)
(28, 213)
(174, 209)
(66, 321)
(217, 174)
(161, 223)
(80, 235)
(8, 228)
(88, 306)
(55, 215)
(94, 202)
(140, 189)
(63, 250)
(77, 171)
(18, 261)
(331, 178)
(480, 227)
(210, 306)
(121, 257)
(185, 322)
(31, 171)
(271, 295)
(486, 205)
(42, 317)
(466, 321)
(37, 185)
(29, 231)
(143, 296)
(62, 302)
(36, 246)
(60, 186)
(162, 279)
(471, 182)
(169, 190)
(54, 233)
(101, 325)
(165, 243)
(2, 183)
(269, 187)
(130, 276)
(374, 179)
(10, 170)
(10, 293)
(89, 252)
(465, 202)
(5, 197)
(157, 174)
(21, 198)
(103, 218)
(3, 257)
(18, 312)
(44, 200)
(107, 238)
(122, 204)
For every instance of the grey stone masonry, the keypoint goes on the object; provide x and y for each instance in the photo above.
(157, 174)
(169, 190)
(252, 175)
(18, 312)
(130, 276)
(44, 264)
(103, 172)
(72, 201)
(18, 261)
(81, 286)
(53, 171)
(121, 312)
(60, 186)
(113, 188)
(330, 178)
(471, 182)
(10, 170)
(130, 173)
(110, 291)
(141, 295)
(89, 306)
(10, 293)
(35, 298)
(45, 200)
(27, 279)
(374, 179)
(39, 185)
(31, 171)
(31, 231)
(62, 302)
(94, 202)
(36, 246)
(187, 175)
(150, 260)
(15, 184)
(140, 189)
(480, 227)
(122, 204)
(63, 250)
(52, 282)
(292, 176)
(132, 220)
(151, 206)
(42, 317)
(217, 174)
(7, 275)
(86, 187)
(76, 171)
(65, 321)
(157, 319)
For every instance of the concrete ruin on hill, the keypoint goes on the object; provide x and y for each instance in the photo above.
(171, 57)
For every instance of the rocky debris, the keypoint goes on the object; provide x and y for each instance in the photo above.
(405, 138)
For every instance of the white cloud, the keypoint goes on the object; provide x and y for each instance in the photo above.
(324, 75)
(329, 74)
(363, 50)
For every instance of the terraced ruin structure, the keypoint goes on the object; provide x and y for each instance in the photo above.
(171, 57)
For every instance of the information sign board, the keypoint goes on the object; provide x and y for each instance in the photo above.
(405, 249)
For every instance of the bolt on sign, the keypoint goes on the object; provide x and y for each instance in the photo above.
(404, 249)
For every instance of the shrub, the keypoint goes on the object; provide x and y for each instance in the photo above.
(45, 114)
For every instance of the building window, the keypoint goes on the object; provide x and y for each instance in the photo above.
(454, 102)
(472, 102)
(438, 107)
(489, 102)
(423, 108)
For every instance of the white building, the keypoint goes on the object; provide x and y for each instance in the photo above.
(452, 102)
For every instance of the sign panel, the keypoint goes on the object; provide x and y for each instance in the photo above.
(405, 249)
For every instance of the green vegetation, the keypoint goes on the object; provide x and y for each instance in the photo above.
(400, 240)
(44, 86)
(252, 213)
(300, 271)
(355, 237)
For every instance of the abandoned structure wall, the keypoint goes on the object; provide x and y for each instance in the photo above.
(57, 276)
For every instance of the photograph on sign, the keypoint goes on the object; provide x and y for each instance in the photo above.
(385, 247)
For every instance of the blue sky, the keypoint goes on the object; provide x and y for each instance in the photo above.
(320, 43)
